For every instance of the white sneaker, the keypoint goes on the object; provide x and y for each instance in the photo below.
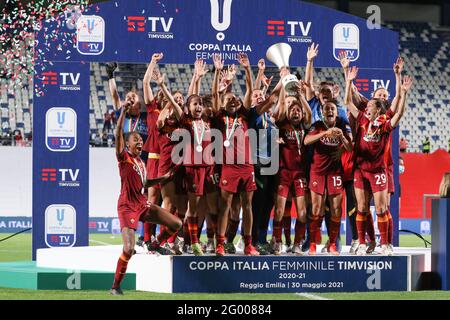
(386, 250)
(210, 247)
(178, 245)
(297, 250)
(361, 251)
(325, 247)
(289, 248)
(277, 248)
(354, 246)
(371, 247)
(391, 248)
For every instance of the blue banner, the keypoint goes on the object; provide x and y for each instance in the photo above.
(60, 157)
(131, 30)
(289, 274)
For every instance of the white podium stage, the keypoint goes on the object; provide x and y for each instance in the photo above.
(239, 273)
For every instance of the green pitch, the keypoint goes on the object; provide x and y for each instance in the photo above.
(18, 248)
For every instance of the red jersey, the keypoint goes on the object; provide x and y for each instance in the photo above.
(389, 114)
(293, 151)
(152, 145)
(132, 175)
(238, 151)
(166, 144)
(372, 142)
(198, 154)
(322, 161)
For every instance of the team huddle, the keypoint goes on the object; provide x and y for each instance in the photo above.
(217, 170)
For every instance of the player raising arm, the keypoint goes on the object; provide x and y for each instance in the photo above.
(133, 205)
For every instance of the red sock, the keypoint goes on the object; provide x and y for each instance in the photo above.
(148, 226)
(232, 229)
(187, 237)
(370, 227)
(121, 269)
(165, 234)
(247, 240)
(193, 229)
(277, 230)
(299, 231)
(361, 222)
(313, 229)
(335, 225)
(220, 239)
(383, 225)
(391, 228)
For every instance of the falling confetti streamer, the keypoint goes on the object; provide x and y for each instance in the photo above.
(20, 54)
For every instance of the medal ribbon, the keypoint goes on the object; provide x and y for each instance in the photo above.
(198, 137)
(142, 171)
(229, 132)
(131, 128)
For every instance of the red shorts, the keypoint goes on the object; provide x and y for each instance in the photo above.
(130, 215)
(371, 181)
(200, 180)
(291, 180)
(331, 182)
(390, 177)
(234, 181)
(152, 169)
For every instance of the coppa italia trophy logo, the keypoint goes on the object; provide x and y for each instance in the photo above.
(226, 17)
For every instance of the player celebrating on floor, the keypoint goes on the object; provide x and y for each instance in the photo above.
(327, 136)
(133, 206)
(370, 174)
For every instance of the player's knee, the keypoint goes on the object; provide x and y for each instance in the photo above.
(302, 216)
(279, 213)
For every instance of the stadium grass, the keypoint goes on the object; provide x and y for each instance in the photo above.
(18, 248)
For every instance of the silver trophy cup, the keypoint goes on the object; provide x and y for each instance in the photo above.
(279, 54)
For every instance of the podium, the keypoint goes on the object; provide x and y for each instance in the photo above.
(262, 274)
(440, 239)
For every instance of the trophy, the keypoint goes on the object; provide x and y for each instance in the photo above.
(279, 54)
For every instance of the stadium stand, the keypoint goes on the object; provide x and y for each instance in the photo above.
(424, 46)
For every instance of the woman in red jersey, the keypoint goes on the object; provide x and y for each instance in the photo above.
(327, 136)
(133, 205)
(237, 176)
(370, 173)
(197, 160)
(292, 122)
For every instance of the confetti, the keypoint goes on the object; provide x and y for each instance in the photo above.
(20, 55)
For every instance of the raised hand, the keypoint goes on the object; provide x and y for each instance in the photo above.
(110, 68)
(301, 88)
(352, 73)
(156, 57)
(243, 59)
(231, 72)
(261, 65)
(313, 51)
(218, 62)
(284, 72)
(200, 68)
(266, 81)
(343, 59)
(398, 65)
(407, 83)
